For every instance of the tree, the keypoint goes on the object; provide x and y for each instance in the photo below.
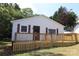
(8, 12)
(16, 6)
(27, 12)
(71, 19)
(4, 22)
(67, 18)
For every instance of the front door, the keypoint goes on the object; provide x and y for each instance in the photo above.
(36, 32)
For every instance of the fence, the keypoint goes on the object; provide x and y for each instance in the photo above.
(23, 43)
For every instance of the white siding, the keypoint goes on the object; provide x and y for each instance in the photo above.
(24, 37)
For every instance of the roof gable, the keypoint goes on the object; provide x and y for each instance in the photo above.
(35, 17)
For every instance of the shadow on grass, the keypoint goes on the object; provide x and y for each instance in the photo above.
(45, 54)
(6, 51)
(40, 54)
(2, 43)
(5, 48)
(37, 53)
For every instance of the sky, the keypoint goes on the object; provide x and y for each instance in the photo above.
(46, 7)
(49, 9)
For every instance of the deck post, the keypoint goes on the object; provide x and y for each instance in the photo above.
(12, 46)
(51, 40)
(63, 38)
(76, 39)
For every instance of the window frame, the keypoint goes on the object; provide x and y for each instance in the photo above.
(23, 29)
(53, 31)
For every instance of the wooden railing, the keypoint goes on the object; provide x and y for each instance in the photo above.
(24, 41)
(28, 36)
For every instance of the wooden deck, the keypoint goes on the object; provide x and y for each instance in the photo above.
(48, 42)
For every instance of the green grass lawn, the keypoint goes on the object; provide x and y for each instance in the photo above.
(59, 51)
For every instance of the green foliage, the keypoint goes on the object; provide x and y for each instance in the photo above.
(8, 12)
(17, 7)
(27, 12)
(72, 18)
(67, 18)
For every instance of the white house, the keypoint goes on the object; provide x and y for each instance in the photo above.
(36, 24)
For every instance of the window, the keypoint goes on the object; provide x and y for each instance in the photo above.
(23, 28)
(52, 31)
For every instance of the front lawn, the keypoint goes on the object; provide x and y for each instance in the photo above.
(4, 43)
(59, 51)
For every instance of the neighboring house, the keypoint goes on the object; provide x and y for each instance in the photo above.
(36, 24)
